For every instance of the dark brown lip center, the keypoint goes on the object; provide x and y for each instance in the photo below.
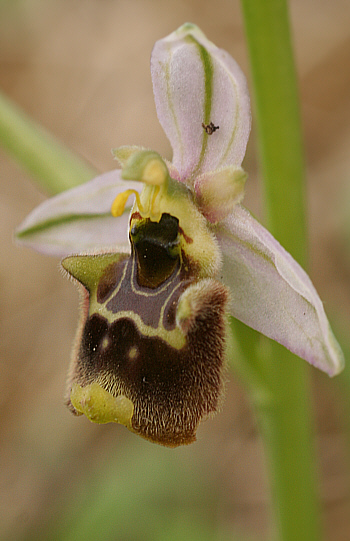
(157, 249)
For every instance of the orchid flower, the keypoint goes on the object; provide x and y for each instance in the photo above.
(164, 252)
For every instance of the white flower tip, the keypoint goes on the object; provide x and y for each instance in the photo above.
(335, 361)
(189, 28)
(186, 28)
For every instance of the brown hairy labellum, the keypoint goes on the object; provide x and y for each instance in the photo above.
(150, 350)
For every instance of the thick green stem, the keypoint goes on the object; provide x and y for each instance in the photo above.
(284, 411)
(51, 165)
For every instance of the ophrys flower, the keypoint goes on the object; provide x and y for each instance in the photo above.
(151, 346)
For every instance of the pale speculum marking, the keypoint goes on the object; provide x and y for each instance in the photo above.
(105, 343)
(133, 353)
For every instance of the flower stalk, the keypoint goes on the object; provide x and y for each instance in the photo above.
(285, 417)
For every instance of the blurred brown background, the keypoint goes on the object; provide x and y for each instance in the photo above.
(81, 68)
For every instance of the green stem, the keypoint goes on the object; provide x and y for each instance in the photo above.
(284, 411)
(51, 165)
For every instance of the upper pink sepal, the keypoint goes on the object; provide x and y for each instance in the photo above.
(197, 85)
